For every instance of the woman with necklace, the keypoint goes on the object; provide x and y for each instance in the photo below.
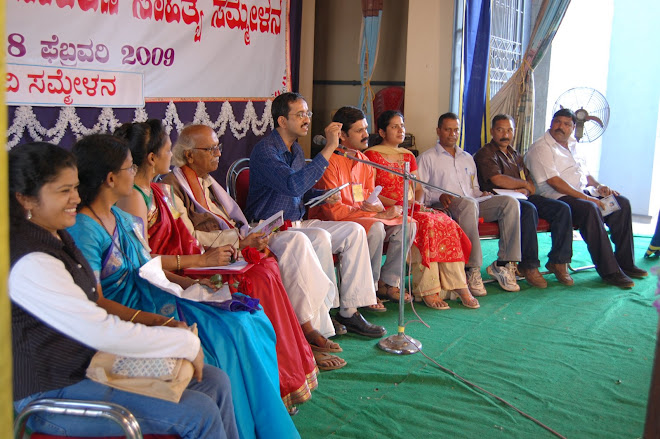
(60, 317)
(240, 343)
(441, 248)
(151, 150)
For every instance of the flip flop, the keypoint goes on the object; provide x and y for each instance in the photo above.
(372, 309)
(320, 357)
(328, 346)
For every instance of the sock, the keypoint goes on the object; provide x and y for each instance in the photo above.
(501, 263)
(347, 312)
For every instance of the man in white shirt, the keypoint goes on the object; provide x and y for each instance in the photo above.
(453, 169)
(560, 174)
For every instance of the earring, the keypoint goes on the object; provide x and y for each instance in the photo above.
(28, 216)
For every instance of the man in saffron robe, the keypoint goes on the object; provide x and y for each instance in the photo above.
(381, 224)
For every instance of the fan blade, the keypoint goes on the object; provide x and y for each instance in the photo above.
(597, 120)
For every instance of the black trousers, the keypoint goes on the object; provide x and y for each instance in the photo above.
(558, 214)
(587, 218)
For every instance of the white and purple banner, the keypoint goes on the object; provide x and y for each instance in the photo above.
(119, 53)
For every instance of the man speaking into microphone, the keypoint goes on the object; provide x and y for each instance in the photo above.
(359, 205)
(281, 180)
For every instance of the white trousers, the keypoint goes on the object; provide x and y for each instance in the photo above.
(311, 292)
(349, 241)
(309, 276)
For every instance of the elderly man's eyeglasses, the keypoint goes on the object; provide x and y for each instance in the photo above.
(132, 169)
(212, 150)
(302, 114)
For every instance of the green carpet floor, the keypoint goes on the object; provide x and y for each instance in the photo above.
(578, 359)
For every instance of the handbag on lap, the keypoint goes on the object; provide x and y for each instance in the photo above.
(163, 378)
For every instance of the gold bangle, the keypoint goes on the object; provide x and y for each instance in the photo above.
(178, 262)
(135, 315)
(167, 321)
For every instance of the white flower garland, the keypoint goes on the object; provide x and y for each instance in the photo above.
(24, 118)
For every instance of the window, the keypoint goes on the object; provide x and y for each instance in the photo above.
(508, 39)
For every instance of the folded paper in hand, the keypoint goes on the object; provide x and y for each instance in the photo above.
(321, 198)
(267, 226)
(611, 205)
(511, 193)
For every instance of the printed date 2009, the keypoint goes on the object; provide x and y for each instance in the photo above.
(144, 56)
(71, 54)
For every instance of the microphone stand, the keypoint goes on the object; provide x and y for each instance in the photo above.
(400, 344)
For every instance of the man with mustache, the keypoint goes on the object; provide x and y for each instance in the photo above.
(559, 174)
(500, 166)
(281, 180)
(381, 224)
(451, 168)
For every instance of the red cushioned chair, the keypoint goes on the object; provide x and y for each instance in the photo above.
(492, 231)
(389, 98)
(238, 181)
(87, 409)
(238, 185)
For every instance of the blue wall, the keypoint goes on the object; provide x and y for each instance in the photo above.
(633, 92)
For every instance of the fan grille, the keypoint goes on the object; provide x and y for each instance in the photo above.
(593, 102)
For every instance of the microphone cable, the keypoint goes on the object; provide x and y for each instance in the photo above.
(500, 399)
(460, 378)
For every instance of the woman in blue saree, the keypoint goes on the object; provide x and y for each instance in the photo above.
(240, 343)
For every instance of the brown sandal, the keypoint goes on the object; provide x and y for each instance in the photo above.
(319, 343)
(324, 361)
(388, 292)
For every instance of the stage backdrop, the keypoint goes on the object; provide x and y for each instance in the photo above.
(116, 52)
(76, 67)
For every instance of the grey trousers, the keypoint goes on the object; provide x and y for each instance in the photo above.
(501, 208)
(390, 272)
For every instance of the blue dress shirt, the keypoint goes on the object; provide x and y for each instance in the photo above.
(280, 179)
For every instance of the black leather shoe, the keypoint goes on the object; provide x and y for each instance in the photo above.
(635, 272)
(619, 279)
(339, 328)
(358, 324)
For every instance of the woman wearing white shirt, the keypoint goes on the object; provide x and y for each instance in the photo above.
(60, 318)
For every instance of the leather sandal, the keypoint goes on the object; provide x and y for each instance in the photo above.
(323, 361)
(314, 339)
(388, 292)
(432, 300)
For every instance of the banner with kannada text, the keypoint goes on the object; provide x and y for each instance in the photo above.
(121, 52)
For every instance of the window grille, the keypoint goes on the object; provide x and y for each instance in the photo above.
(506, 40)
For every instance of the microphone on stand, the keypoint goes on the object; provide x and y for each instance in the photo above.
(319, 140)
(322, 141)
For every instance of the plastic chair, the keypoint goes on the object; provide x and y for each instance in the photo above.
(87, 409)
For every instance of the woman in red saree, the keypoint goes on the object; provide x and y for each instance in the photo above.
(441, 248)
(168, 237)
